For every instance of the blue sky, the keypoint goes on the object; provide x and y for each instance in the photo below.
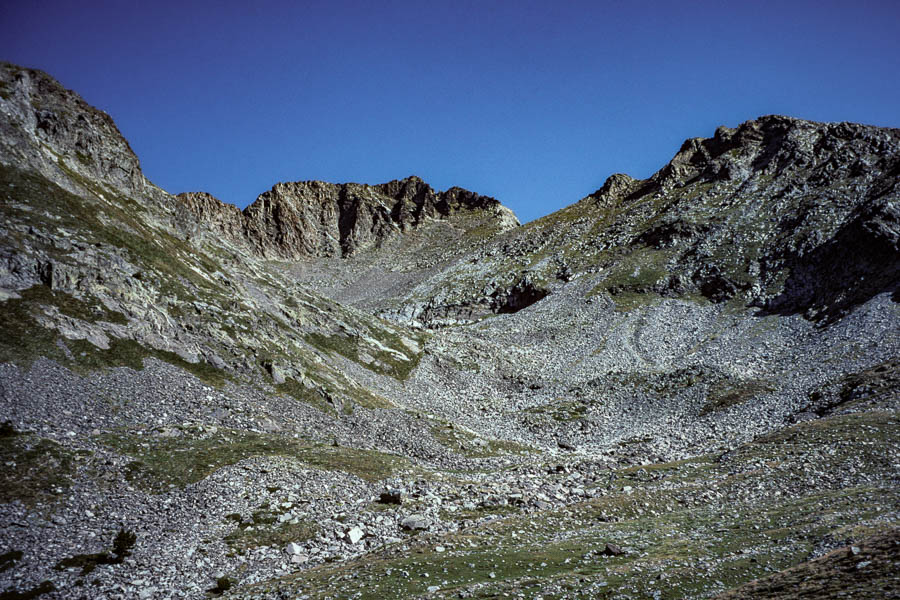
(534, 103)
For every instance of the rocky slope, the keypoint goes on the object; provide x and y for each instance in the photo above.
(668, 389)
(786, 215)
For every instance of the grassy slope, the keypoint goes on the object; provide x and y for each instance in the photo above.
(689, 529)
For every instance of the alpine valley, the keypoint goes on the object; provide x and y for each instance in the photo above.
(680, 387)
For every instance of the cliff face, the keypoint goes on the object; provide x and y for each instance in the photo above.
(316, 219)
(221, 218)
(45, 126)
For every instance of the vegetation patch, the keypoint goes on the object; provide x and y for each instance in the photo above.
(113, 219)
(470, 445)
(265, 529)
(396, 361)
(743, 515)
(302, 393)
(324, 397)
(23, 339)
(90, 310)
(223, 584)
(44, 587)
(728, 394)
(562, 410)
(634, 279)
(8, 559)
(163, 462)
(35, 469)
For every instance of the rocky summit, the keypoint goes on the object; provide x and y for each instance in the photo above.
(679, 387)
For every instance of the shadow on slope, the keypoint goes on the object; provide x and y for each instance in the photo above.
(860, 262)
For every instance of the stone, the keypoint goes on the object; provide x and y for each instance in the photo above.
(415, 522)
(391, 496)
(355, 534)
(277, 373)
(293, 548)
(612, 550)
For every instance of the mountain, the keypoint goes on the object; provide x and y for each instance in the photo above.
(317, 219)
(681, 386)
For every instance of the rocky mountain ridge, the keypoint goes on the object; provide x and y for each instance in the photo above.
(43, 119)
(727, 219)
(668, 389)
(317, 219)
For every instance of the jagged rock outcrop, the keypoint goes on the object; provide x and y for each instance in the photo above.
(47, 127)
(317, 219)
(204, 209)
(787, 215)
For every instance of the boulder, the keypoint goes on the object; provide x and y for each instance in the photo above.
(355, 534)
(415, 522)
(391, 496)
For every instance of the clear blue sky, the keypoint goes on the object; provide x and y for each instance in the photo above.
(535, 103)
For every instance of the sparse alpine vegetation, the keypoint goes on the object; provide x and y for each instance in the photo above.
(678, 387)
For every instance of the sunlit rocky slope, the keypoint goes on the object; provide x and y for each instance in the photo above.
(668, 389)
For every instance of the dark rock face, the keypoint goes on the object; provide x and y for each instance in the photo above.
(522, 295)
(831, 190)
(87, 139)
(859, 262)
(317, 219)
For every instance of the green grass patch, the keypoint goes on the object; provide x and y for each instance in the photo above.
(113, 220)
(122, 545)
(161, 462)
(370, 356)
(8, 559)
(264, 530)
(44, 587)
(562, 410)
(35, 469)
(301, 393)
(22, 339)
(727, 394)
(91, 310)
(744, 515)
(471, 446)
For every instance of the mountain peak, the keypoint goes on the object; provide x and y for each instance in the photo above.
(54, 126)
(320, 219)
(768, 145)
